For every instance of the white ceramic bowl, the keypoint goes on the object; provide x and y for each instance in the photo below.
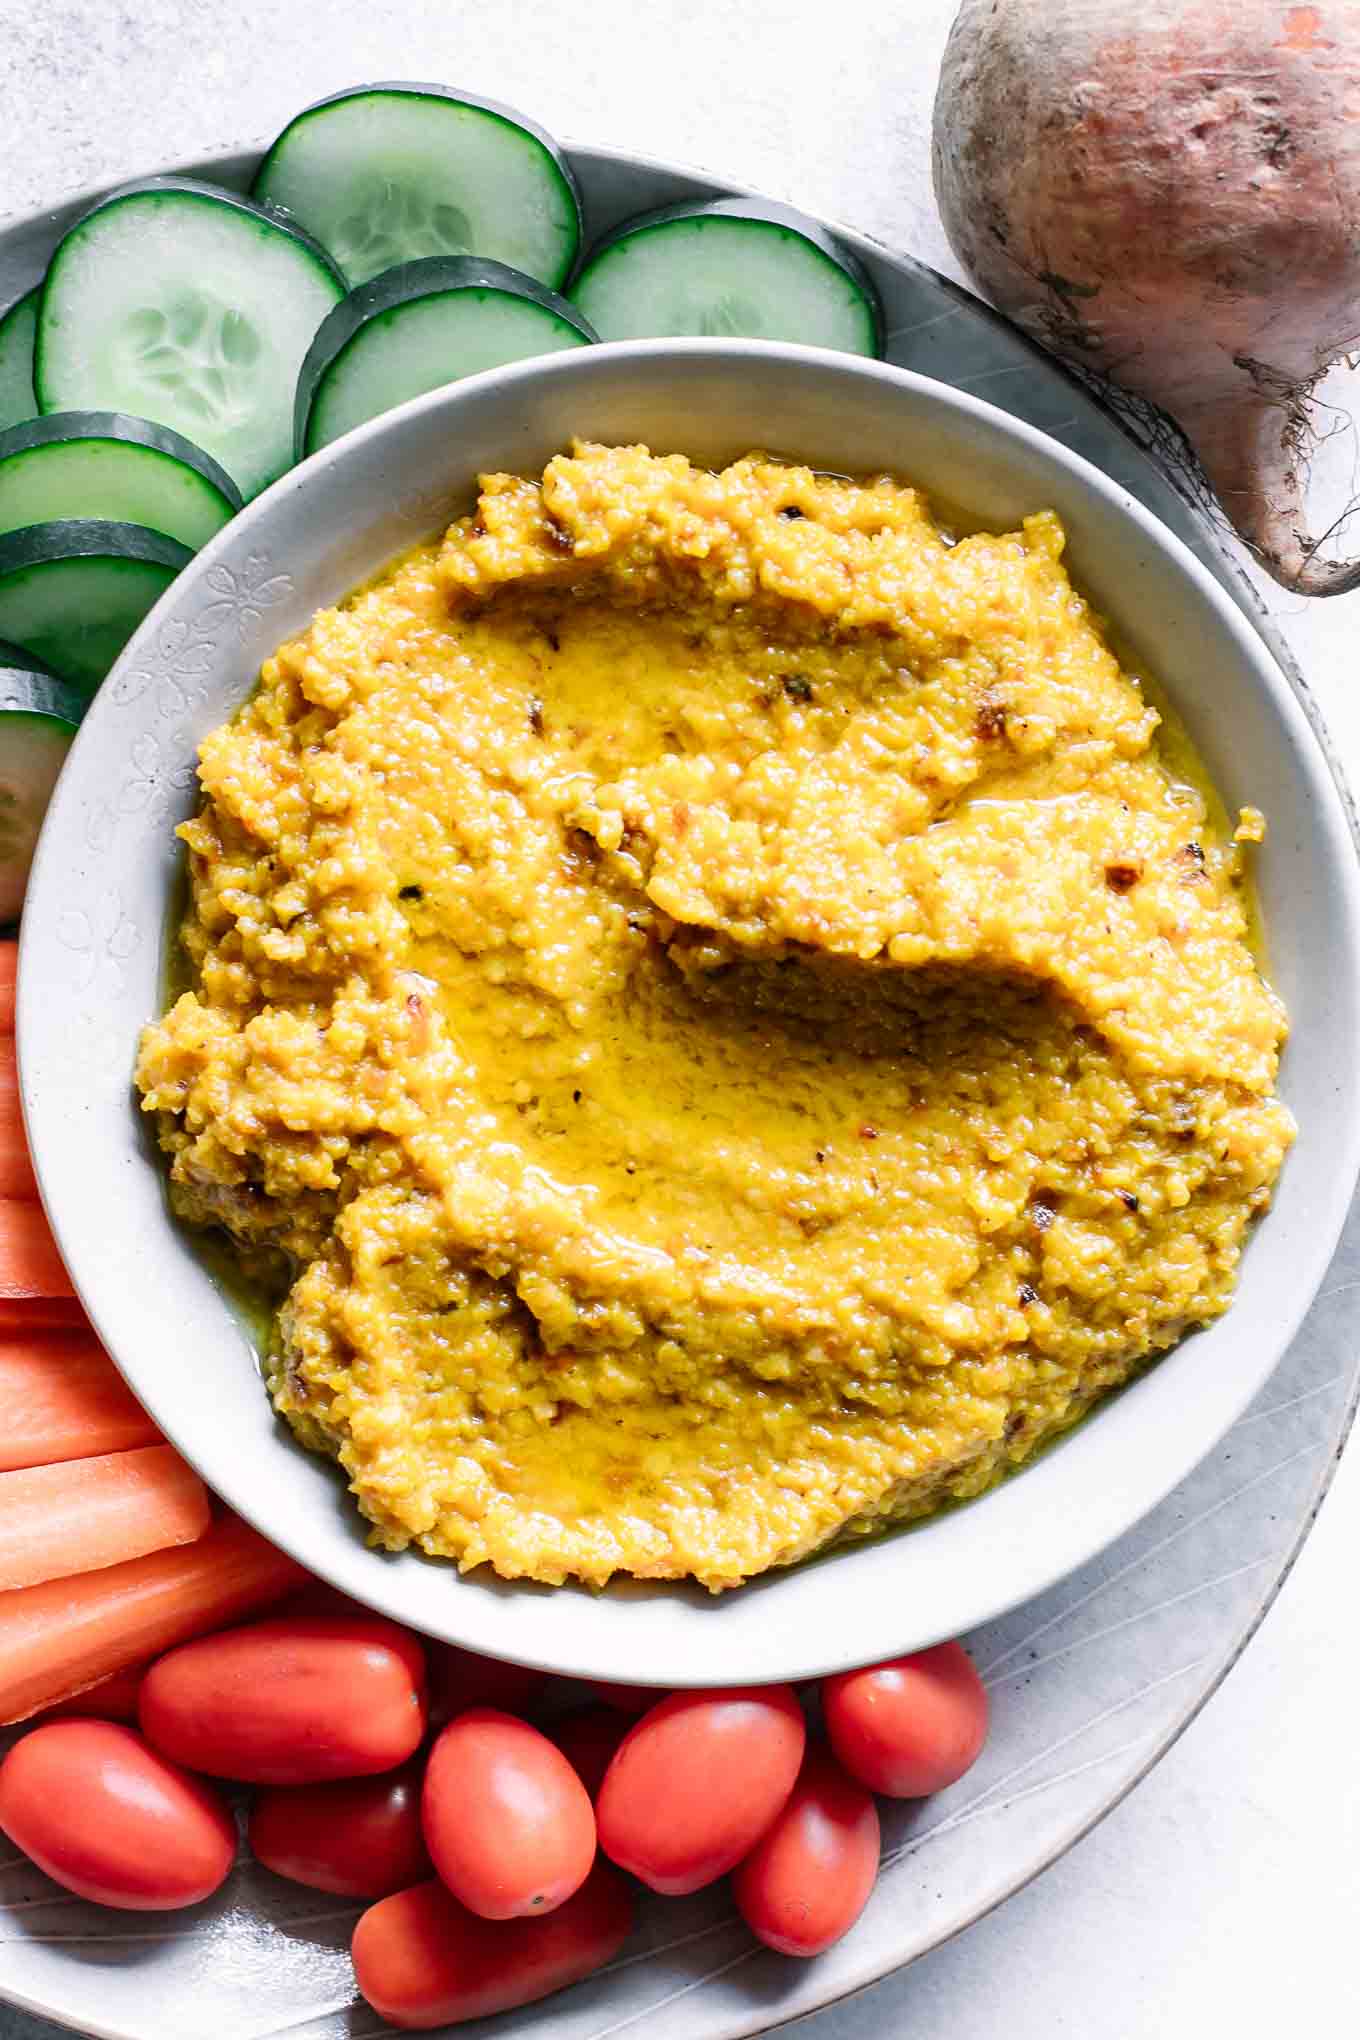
(95, 931)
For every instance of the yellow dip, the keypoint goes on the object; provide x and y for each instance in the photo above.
(717, 1001)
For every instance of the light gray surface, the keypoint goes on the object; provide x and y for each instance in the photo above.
(1174, 1917)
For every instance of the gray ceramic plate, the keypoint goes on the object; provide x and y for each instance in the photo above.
(1090, 1683)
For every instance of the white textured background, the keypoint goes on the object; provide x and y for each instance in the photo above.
(1224, 1897)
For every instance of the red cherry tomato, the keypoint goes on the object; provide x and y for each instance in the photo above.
(460, 1679)
(112, 1820)
(909, 1727)
(508, 1823)
(360, 1837)
(627, 1699)
(697, 1781)
(588, 1738)
(808, 1878)
(422, 1959)
(290, 1701)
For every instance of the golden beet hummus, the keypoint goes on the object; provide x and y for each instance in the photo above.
(713, 999)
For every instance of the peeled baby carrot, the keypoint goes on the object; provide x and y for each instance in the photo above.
(63, 1398)
(20, 1315)
(9, 963)
(29, 1262)
(85, 1514)
(111, 1699)
(16, 1170)
(61, 1638)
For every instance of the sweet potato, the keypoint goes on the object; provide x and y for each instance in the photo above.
(1165, 192)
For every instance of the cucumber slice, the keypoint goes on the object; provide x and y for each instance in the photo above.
(394, 172)
(385, 174)
(417, 327)
(187, 305)
(736, 268)
(38, 718)
(74, 591)
(81, 464)
(16, 360)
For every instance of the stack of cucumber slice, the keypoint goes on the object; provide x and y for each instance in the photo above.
(187, 344)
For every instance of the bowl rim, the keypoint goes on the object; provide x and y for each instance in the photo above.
(807, 1656)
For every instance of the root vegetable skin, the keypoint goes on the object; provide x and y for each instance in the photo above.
(1168, 193)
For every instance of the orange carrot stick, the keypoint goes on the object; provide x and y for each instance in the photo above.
(20, 1315)
(16, 1170)
(29, 1262)
(111, 1699)
(56, 1521)
(9, 963)
(61, 1397)
(59, 1639)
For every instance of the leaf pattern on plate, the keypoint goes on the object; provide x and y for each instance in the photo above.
(242, 596)
(101, 940)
